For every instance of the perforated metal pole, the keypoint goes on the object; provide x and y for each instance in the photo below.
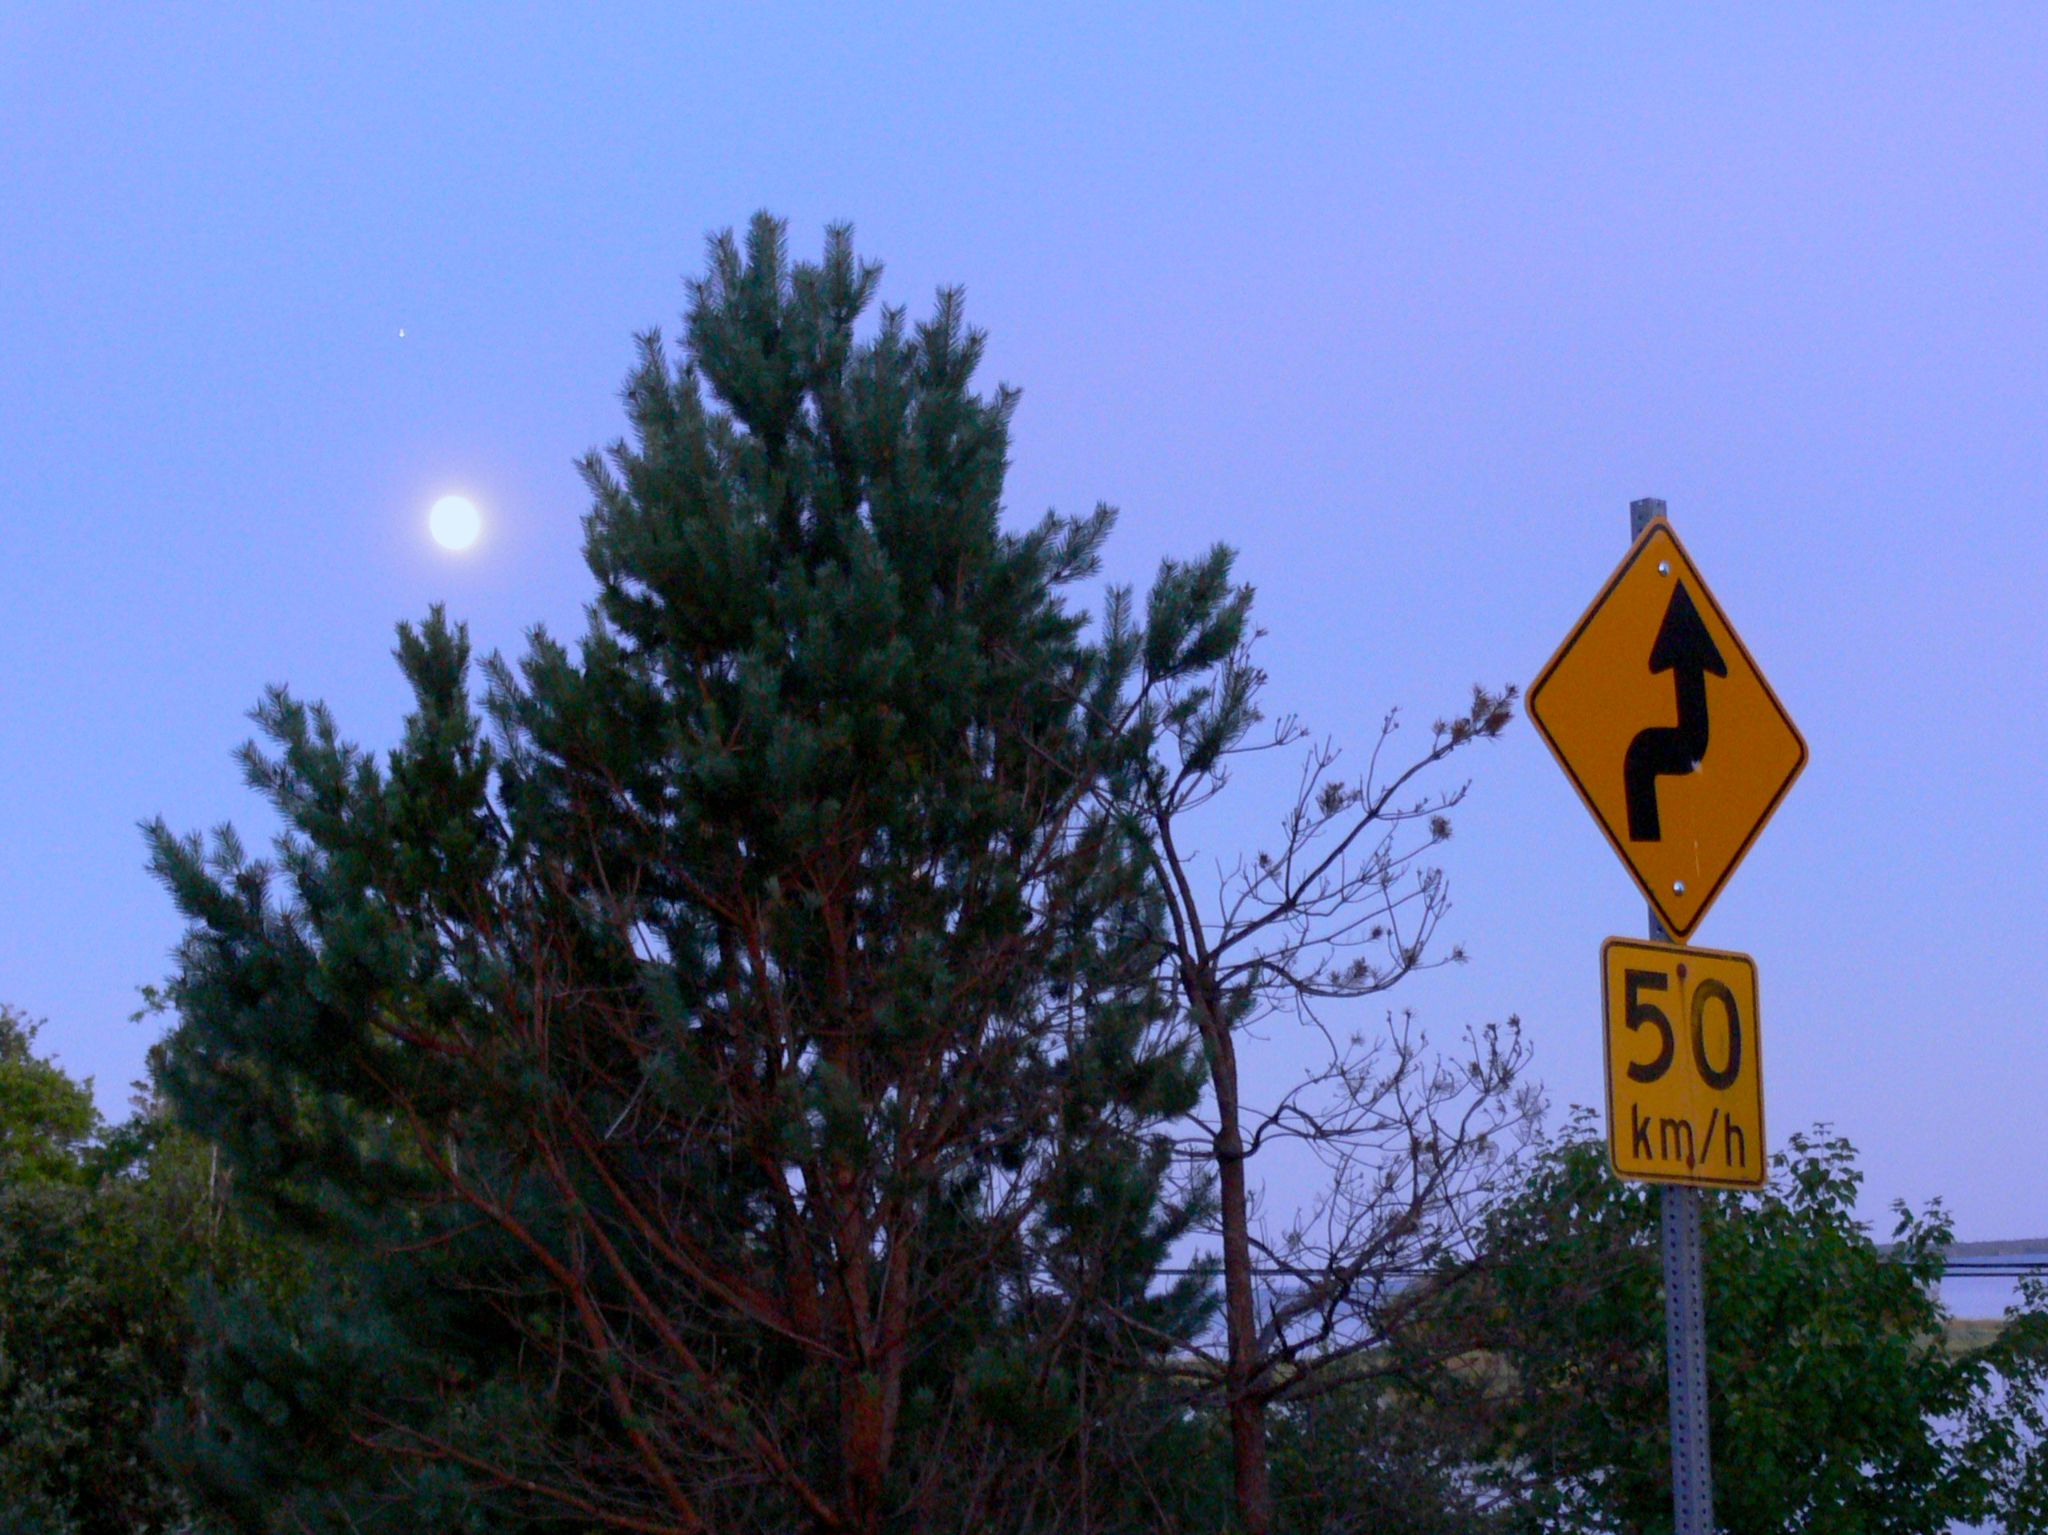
(1685, 1283)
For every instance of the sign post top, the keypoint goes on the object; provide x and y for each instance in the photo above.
(1665, 725)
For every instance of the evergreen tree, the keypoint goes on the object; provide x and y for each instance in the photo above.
(722, 1075)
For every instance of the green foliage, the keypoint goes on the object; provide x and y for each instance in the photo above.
(1366, 1458)
(47, 1120)
(102, 1237)
(1836, 1402)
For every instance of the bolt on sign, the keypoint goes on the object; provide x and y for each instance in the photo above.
(1685, 1081)
(1667, 728)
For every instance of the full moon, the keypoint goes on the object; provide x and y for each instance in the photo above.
(455, 522)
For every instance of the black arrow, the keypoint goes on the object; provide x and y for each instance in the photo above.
(1685, 649)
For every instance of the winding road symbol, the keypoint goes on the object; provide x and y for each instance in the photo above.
(1680, 795)
(1684, 648)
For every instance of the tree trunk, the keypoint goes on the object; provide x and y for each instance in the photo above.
(865, 1452)
(1246, 1408)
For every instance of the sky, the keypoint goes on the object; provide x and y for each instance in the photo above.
(1406, 303)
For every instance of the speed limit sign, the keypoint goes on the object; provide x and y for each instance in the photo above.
(1685, 1097)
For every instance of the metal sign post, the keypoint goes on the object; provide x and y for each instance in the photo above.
(1680, 773)
(1684, 1261)
(1685, 1361)
(1685, 1285)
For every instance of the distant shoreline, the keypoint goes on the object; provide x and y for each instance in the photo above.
(2016, 1247)
(1996, 1249)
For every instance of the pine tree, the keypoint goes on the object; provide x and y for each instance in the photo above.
(720, 1072)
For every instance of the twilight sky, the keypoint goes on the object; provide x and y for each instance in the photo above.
(1406, 305)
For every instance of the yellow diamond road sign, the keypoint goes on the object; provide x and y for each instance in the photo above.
(1660, 718)
(1685, 1080)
